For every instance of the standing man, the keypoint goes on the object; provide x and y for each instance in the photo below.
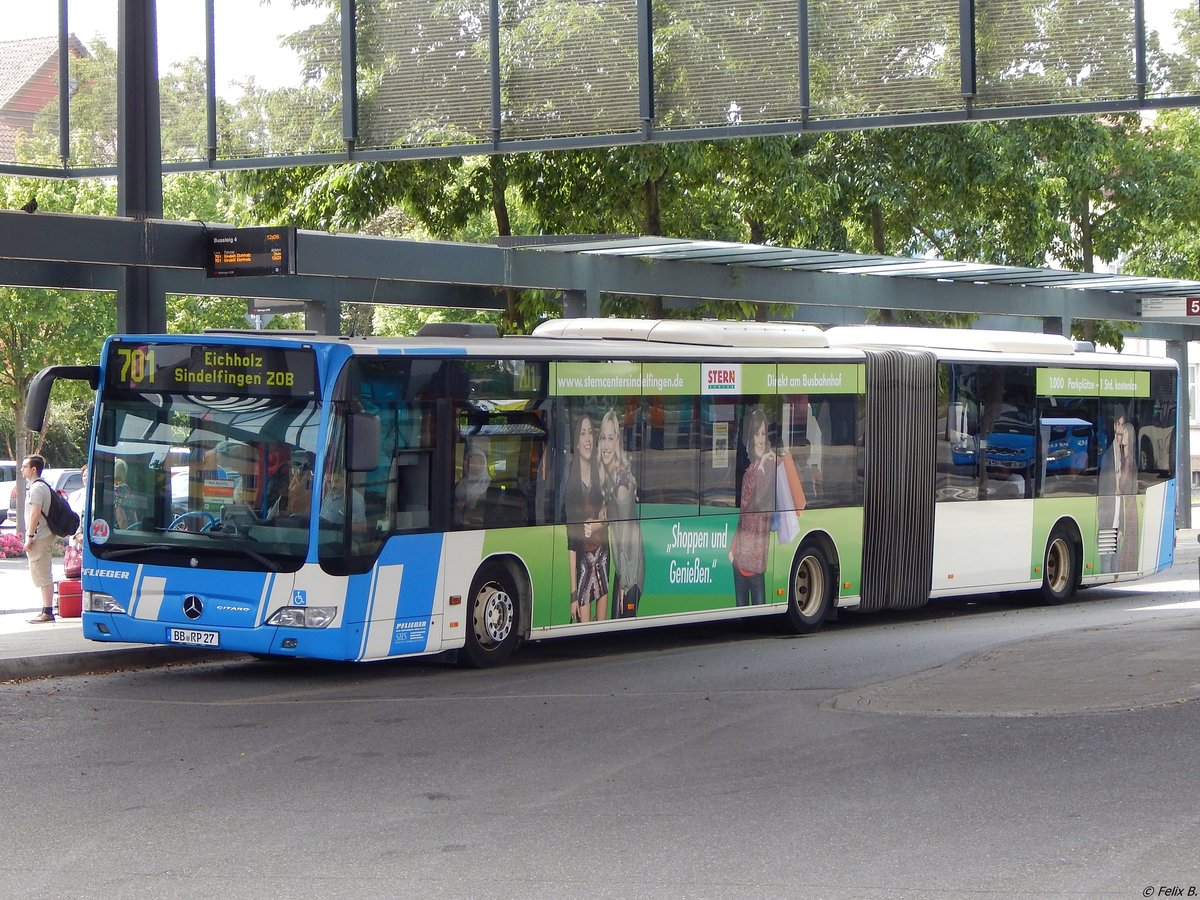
(39, 538)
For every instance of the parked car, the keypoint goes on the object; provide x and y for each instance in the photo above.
(62, 480)
(8, 478)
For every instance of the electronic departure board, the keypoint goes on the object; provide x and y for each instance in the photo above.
(251, 251)
(211, 369)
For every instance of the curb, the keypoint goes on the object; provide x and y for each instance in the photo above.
(95, 662)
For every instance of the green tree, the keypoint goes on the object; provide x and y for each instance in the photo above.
(1168, 243)
(40, 328)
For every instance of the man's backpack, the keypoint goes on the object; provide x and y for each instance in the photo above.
(60, 517)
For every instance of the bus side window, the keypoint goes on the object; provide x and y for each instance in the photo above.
(670, 463)
(1007, 427)
(718, 465)
(500, 435)
(398, 493)
(958, 433)
(1067, 447)
(412, 460)
(1154, 437)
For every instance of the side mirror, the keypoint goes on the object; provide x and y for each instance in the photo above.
(39, 390)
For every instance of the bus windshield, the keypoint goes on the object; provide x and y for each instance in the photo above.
(226, 480)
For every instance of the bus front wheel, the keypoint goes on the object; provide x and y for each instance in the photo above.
(810, 594)
(1060, 571)
(493, 619)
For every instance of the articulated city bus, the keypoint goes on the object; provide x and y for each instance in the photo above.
(288, 494)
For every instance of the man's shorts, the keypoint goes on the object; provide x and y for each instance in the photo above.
(39, 561)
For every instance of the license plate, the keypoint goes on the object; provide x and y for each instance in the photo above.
(197, 638)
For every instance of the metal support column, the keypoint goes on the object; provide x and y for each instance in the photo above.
(324, 316)
(574, 304)
(1056, 325)
(141, 302)
(1178, 351)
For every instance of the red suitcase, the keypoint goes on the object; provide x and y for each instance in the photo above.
(70, 598)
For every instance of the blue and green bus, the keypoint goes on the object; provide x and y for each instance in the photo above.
(296, 495)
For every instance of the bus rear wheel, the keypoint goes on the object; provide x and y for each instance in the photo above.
(492, 619)
(810, 593)
(1060, 570)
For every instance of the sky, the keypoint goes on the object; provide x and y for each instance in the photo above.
(1160, 18)
(246, 32)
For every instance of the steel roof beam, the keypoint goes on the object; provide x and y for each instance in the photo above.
(391, 270)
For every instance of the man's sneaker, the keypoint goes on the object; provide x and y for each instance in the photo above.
(44, 617)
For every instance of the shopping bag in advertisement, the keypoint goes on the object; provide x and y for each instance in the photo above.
(784, 523)
(795, 487)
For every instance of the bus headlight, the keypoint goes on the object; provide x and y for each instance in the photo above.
(304, 616)
(96, 601)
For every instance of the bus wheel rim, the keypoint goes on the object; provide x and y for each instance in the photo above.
(493, 616)
(1057, 565)
(809, 586)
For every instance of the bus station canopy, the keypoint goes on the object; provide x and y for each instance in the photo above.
(54, 250)
(771, 257)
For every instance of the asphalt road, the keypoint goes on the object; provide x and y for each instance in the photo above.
(959, 751)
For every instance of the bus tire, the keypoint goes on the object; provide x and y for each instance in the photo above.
(1060, 568)
(493, 618)
(810, 590)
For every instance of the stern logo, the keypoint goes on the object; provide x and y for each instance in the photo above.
(722, 378)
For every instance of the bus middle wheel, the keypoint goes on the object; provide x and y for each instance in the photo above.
(810, 592)
(493, 619)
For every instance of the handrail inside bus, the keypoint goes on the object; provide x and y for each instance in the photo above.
(39, 390)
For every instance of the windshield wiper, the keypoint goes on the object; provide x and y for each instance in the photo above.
(249, 551)
(133, 551)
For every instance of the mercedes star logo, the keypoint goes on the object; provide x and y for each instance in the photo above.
(193, 606)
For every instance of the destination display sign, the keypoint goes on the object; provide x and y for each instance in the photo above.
(1092, 383)
(1170, 307)
(211, 369)
(251, 251)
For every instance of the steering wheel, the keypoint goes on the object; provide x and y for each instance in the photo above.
(180, 522)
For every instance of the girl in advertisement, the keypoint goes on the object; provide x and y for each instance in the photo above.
(751, 539)
(624, 531)
(1118, 493)
(587, 533)
(1125, 453)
